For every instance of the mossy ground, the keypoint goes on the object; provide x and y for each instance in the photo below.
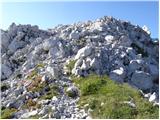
(106, 99)
(7, 113)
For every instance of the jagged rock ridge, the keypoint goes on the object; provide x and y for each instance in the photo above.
(117, 48)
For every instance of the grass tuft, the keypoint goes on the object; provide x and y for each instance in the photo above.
(7, 113)
(96, 90)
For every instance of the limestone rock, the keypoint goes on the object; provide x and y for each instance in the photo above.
(84, 52)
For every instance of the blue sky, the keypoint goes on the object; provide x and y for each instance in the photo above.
(49, 14)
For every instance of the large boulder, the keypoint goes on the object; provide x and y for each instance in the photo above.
(142, 80)
(84, 52)
(54, 47)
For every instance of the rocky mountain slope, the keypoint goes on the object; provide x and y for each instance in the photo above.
(36, 79)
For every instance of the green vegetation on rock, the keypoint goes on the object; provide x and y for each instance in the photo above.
(7, 113)
(106, 99)
(53, 90)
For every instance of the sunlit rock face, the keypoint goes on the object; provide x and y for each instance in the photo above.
(124, 52)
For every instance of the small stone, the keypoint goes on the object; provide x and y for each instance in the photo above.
(153, 97)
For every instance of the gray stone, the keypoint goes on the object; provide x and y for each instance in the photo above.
(54, 71)
(118, 74)
(135, 65)
(74, 35)
(6, 71)
(142, 80)
(154, 71)
(14, 45)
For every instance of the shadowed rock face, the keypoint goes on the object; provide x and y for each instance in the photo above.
(106, 46)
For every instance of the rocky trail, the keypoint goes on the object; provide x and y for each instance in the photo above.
(37, 65)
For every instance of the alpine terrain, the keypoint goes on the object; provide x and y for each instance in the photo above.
(106, 68)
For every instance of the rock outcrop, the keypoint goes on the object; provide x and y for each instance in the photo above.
(34, 59)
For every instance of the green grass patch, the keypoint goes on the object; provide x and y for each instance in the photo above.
(40, 65)
(96, 90)
(32, 74)
(7, 113)
(52, 91)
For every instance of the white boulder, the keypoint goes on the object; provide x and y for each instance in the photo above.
(84, 52)
(109, 38)
(142, 80)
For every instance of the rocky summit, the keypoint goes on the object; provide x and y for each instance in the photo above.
(37, 66)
